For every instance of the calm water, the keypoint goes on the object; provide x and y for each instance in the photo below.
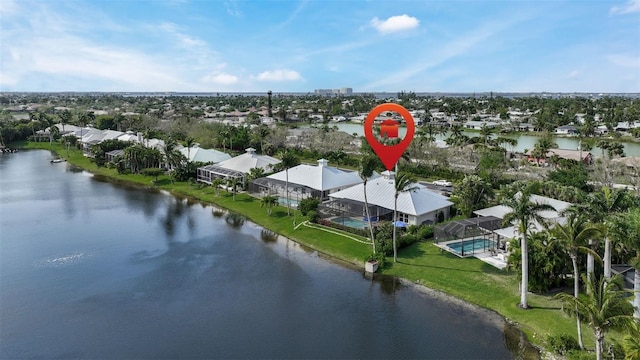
(89, 269)
(525, 142)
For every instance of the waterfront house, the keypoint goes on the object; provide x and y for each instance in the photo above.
(567, 130)
(307, 181)
(478, 125)
(196, 153)
(237, 167)
(575, 155)
(550, 216)
(415, 207)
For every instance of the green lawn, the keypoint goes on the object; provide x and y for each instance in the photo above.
(468, 279)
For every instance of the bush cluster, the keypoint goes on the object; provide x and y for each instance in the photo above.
(562, 344)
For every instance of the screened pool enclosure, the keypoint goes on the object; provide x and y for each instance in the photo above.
(469, 236)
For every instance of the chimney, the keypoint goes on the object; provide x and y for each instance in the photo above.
(139, 138)
(322, 162)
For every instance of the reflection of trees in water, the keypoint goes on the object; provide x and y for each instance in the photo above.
(517, 343)
(235, 220)
(68, 198)
(389, 284)
(177, 210)
(268, 236)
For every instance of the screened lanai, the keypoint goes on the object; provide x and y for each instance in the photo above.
(469, 236)
(355, 209)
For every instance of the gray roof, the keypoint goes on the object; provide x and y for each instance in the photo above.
(204, 155)
(321, 177)
(249, 160)
(381, 192)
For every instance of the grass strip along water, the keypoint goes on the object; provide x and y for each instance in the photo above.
(468, 279)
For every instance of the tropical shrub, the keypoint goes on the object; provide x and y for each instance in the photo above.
(308, 204)
(313, 216)
(562, 344)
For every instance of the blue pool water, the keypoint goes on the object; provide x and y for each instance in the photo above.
(283, 201)
(472, 246)
(350, 222)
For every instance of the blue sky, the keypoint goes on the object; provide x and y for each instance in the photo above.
(299, 46)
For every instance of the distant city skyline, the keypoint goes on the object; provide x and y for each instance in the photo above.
(302, 46)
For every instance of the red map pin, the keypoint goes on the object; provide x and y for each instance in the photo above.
(389, 154)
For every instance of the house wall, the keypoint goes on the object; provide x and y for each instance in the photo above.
(432, 217)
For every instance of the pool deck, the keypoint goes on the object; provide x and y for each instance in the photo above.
(499, 260)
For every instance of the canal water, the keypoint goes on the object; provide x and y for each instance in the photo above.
(525, 142)
(89, 269)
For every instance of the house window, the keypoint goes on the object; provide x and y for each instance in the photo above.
(403, 217)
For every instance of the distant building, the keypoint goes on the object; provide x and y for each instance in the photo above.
(329, 92)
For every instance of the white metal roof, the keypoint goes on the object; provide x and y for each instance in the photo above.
(381, 192)
(501, 210)
(320, 177)
(204, 155)
(249, 160)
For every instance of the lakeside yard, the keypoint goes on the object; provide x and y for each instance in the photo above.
(423, 263)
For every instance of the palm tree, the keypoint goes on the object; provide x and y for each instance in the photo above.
(485, 134)
(232, 182)
(631, 344)
(601, 207)
(573, 236)
(542, 147)
(289, 160)
(367, 166)
(261, 132)
(216, 183)
(604, 307)
(403, 182)
(523, 213)
(269, 201)
(188, 143)
(627, 231)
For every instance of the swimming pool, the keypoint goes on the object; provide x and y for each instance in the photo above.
(283, 201)
(350, 222)
(469, 247)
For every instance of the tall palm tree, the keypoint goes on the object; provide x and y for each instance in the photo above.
(232, 182)
(604, 307)
(403, 182)
(188, 143)
(485, 134)
(601, 207)
(261, 132)
(365, 170)
(523, 214)
(573, 236)
(289, 160)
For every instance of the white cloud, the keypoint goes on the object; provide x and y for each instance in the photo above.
(220, 78)
(395, 23)
(574, 74)
(631, 6)
(279, 75)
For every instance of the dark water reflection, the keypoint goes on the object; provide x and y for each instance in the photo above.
(89, 269)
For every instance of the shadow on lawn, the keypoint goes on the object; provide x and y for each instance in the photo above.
(439, 267)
